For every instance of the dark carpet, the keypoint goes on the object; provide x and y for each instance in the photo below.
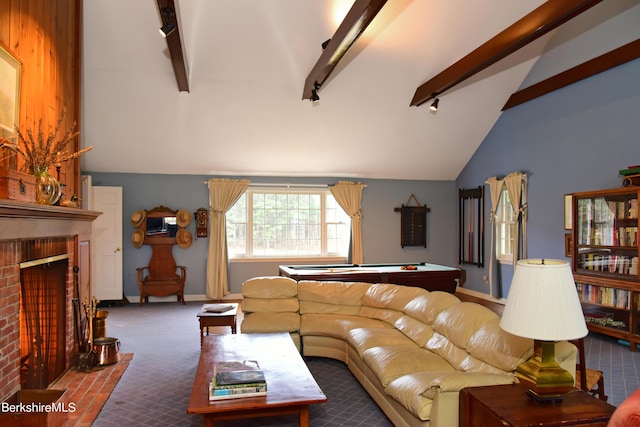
(155, 389)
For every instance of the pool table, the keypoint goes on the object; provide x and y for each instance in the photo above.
(431, 277)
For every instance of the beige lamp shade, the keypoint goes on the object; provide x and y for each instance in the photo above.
(543, 302)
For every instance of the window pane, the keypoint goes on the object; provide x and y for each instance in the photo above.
(286, 223)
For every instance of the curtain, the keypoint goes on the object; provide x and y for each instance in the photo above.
(495, 189)
(223, 193)
(348, 194)
(516, 186)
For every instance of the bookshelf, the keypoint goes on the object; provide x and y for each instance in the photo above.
(605, 261)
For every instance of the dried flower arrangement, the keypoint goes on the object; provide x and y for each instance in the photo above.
(40, 153)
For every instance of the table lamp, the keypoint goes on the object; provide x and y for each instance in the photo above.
(543, 305)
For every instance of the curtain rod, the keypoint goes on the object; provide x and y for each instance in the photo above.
(282, 184)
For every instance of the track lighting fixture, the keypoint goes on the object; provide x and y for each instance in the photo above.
(314, 92)
(167, 29)
(434, 105)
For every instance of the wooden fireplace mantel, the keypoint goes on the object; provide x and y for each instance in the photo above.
(19, 220)
(12, 209)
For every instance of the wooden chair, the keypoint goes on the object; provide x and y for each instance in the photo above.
(589, 380)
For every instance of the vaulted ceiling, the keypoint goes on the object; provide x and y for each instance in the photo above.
(247, 61)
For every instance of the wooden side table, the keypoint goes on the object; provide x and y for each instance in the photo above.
(226, 318)
(508, 405)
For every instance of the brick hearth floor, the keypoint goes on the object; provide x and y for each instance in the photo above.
(89, 390)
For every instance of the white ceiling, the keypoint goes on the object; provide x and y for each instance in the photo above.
(247, 63)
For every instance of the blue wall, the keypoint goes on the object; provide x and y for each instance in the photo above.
(574, 139)
(380, 223)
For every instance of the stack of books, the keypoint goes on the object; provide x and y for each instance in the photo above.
(237, 378)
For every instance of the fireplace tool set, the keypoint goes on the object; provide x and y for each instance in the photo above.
(95, 349)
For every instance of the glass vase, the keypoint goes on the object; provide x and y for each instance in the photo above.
(47, 187)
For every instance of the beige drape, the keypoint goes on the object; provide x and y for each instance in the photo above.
(223, 193)
(516, 186)
(348, 194)
(495, 189)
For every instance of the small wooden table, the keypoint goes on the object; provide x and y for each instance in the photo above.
(290, 386)
(508, 405)
(225, 318)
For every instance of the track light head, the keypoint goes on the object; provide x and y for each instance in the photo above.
(434, 105)
(314, 92)
(167, 29)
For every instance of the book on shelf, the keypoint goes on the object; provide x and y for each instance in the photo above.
(216, 308)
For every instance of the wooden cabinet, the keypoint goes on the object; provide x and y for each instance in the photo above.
(508, 405)
(161, 228)
(605, 261)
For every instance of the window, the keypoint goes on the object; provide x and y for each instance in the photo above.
(291, 223)
(505, 228)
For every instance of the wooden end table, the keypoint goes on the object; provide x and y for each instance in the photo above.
(290, 386)
(508, 405)
(226, 318)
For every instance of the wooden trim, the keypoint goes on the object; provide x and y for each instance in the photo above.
(357, 20)
(174, 43)
(12, 209)
(545, 18)
(604, 62)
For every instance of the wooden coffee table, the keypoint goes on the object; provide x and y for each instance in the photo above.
(290, 386)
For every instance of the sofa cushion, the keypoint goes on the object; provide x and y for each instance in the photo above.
(419, 332)
(331, 297)
(270, 322)
(426, 307)
(336, 325)
(460, 321)
(389, 362)
(416, 391)
(457, 357)
(394, 297)
(384, 301)
(330, 292)
(364, 338)
(270, 287)
(283, 305)
(499, 348)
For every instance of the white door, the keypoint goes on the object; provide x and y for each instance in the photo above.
(106, 230)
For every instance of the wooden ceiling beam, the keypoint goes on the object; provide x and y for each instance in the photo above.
(168, 15)
(357, 20)
(604, 62)
(545, 18)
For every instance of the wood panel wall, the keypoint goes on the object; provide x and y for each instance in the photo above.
(45, 36)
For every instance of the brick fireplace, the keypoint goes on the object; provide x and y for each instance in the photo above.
(30, 232)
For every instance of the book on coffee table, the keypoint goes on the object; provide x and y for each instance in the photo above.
(237, 378)
(216, 308)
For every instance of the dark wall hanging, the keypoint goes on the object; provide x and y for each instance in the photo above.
(471, 245)
(413, 223)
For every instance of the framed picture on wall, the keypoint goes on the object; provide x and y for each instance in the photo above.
(10, 79)
(568, 245)
(568, 212)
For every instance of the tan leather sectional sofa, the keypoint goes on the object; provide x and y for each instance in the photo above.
(411, 349)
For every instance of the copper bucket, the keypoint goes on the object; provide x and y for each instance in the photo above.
(106, 350)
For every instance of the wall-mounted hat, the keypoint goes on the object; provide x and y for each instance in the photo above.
(183, 218)
(137, 218)
(184, 238)
(137, 238)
